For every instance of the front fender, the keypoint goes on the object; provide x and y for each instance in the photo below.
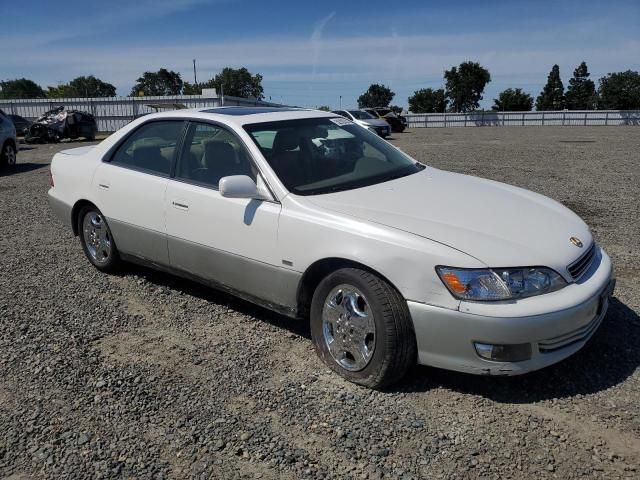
(308, 233)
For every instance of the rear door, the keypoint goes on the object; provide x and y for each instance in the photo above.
(131, 187)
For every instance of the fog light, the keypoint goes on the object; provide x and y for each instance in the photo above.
(503, 353)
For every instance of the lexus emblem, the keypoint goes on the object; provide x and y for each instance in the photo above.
(576, 242)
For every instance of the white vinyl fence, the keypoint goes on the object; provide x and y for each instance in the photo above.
(112, 113)
(512, 119)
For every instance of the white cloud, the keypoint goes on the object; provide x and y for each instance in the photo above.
(406, 61)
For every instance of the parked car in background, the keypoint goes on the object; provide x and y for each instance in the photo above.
(366, 120)
(304, 212)
(8, 142)
(398, 122)
(60, 124)
(22, 124)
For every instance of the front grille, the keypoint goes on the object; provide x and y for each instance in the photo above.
(577, 268)
(581, 334)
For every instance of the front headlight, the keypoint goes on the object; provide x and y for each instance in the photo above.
(499, 284)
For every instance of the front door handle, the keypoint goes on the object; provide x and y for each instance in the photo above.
(180, 205)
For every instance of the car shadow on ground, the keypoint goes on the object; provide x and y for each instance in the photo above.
(608, 359)
(21, 168)
(219, 297)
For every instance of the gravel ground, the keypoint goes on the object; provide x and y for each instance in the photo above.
(149, 376)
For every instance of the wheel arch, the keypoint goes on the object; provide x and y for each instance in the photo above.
(318, 270)
(11, 141)
(75, 211)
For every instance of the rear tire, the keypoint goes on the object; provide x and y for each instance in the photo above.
(362, 329)
(96, 240)
(8, 155)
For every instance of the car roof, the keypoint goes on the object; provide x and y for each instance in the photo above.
(243, 115)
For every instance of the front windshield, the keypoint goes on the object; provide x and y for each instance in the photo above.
(312, 156)
(361, 115)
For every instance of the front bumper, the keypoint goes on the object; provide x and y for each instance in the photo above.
(446, 337)
(383, 131)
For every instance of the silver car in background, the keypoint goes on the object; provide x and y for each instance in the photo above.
(366, 120)
(8, 143)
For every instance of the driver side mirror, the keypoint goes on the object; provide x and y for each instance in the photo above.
(238, 186)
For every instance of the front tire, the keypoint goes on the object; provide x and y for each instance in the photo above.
(96, 239)
(361, 328)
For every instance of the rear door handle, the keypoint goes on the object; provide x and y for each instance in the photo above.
(104, 186)
(180, 205)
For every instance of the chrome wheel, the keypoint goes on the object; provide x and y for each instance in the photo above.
(348, 327)
(9, 155)
(96, 237)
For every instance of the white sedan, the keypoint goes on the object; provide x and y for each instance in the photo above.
(393, 262)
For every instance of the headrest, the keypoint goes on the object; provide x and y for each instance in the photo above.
(286, 139)
(146, 151)
(219, 152)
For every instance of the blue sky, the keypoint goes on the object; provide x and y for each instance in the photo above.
(312, 52)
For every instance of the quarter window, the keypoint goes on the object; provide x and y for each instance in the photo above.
(151, 147)
(211, 153)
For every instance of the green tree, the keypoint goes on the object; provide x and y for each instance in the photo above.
(552, 96)
(192, 88)
(233, 82)
(397, 109)
(162, 82)
(465, 84)
(581, 93)
(324, 108)
(83, 87)
(20, 88)
(59, 91)
(376, 96)
(620, 91)
(513, 100)
(427, 100)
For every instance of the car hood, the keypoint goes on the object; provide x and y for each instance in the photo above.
(498, 224)
(375, 122)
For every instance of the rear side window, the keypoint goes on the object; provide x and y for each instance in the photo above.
(150, 148)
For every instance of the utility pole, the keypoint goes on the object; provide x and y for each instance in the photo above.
(195, 77)
(340, 102)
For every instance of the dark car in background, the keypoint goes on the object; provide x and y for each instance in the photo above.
(59, 124)
(8, 143)
(398, 122)
(22, 124)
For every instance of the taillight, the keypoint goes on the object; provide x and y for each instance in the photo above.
(51, 179)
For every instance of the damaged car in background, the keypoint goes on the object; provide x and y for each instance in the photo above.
(60, 124)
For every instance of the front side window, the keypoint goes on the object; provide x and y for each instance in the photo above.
(211, 153)
(322, 155)
(150, 148)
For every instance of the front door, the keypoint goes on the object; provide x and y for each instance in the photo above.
(231, 242)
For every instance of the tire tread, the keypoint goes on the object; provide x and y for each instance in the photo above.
(399, 336)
